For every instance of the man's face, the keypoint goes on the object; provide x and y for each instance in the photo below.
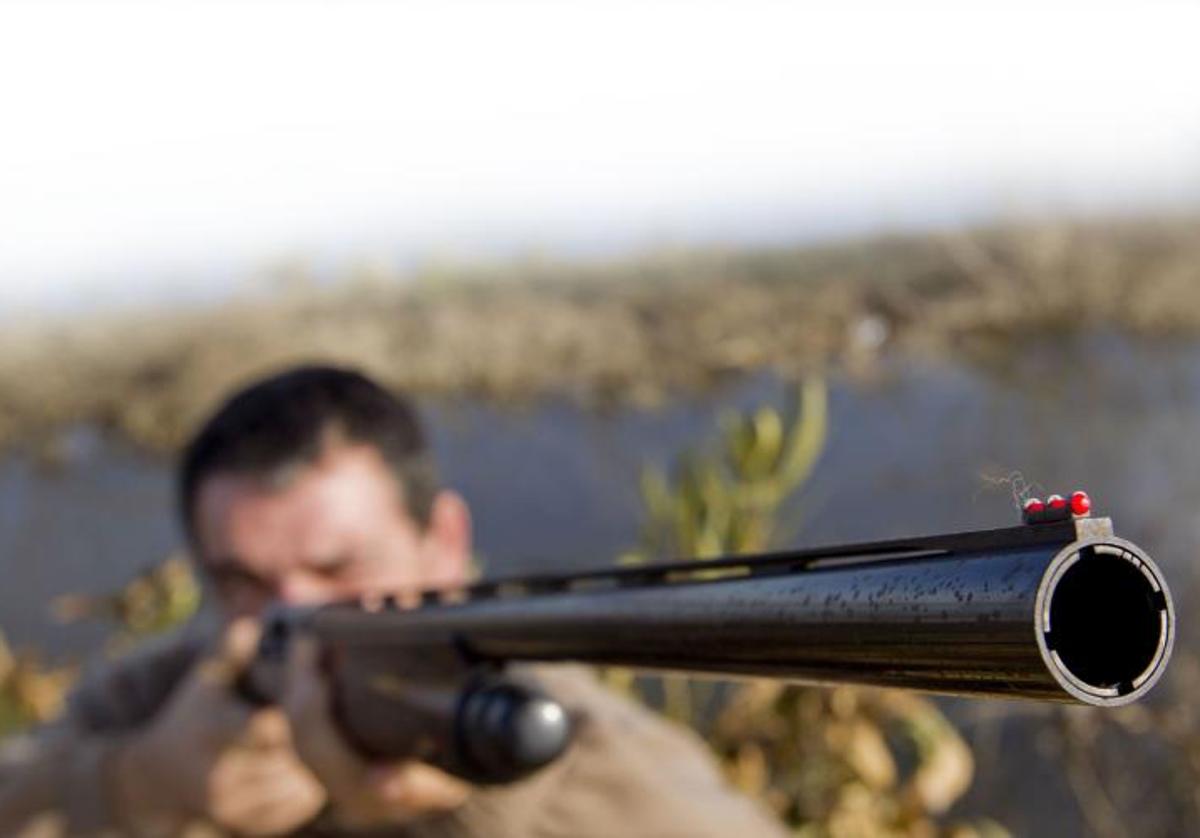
(338, 529)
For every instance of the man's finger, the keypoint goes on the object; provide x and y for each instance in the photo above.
(211, 683)
(237, 648)
(417, 787)
(268, 729)
(263, 794)
(283, 806)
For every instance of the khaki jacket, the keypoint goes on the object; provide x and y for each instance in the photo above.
(629, 772)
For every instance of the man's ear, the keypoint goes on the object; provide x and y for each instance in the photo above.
(449, 539)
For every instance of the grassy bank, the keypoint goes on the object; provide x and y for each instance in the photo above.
(633, 330)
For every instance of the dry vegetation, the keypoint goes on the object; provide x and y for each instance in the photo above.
(629, 331)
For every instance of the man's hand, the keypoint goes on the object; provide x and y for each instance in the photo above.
(209, 755)
(363, 794)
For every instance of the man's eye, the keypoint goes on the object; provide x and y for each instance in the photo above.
(332, 568)
(238, 580)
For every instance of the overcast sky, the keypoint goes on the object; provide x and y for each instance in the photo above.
(151, 148)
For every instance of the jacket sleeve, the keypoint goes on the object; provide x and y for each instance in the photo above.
(56, 779)
(629, 772)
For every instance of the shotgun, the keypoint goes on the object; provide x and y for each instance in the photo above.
(1056, 609)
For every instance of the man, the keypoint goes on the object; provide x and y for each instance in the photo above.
(311, 486)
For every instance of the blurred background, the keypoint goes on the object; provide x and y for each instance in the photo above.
(922, 249)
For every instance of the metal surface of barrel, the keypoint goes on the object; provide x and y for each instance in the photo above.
(1063, 611)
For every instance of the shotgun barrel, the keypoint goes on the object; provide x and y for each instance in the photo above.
(1060, 611)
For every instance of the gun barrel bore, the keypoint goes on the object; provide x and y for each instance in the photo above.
(1106, 621)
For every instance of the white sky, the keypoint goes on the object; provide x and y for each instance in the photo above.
(163, 145)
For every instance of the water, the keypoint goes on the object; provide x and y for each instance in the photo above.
(555, 487)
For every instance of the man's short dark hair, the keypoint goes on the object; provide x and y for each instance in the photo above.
(288, 419)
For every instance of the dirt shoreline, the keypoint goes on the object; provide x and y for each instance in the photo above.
(633, 331)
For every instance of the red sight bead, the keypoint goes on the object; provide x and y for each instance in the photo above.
(1081, 504)
(1056, 502)
(1034, 505)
